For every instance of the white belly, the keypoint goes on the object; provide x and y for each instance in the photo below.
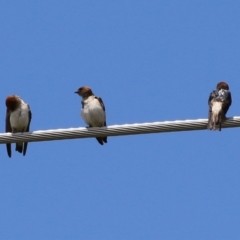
(19, 120)
(93, 115)
(216, 107)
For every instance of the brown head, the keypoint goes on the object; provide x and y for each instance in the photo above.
(12, 102)
(84, 91)
(222, 85)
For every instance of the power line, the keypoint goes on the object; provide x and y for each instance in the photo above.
(114, 130)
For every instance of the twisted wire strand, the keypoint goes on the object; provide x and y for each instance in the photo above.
(114, 130)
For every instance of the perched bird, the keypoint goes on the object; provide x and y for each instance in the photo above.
(93, 110)
(219, 102)
(18, 118)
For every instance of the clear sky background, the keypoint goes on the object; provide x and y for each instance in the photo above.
(149, 61)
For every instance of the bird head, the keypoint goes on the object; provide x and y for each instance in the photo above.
(84, 91)
(222, 85)
(12, 102)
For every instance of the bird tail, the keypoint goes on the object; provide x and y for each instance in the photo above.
(19, 147)
(101, 140)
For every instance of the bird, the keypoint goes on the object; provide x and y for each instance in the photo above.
(18, 118)
(219, 102)
(93, 110)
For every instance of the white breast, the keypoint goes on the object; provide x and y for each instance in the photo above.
(19, 119)
(93, 113)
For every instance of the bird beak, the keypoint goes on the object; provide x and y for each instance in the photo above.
(76, 92)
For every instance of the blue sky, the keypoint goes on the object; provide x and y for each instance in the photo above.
(149, 61)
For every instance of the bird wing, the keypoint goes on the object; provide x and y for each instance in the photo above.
(227, 102)
(8, 128)
(27, 130)
(101, 103)
(30, 118)
(103, 107)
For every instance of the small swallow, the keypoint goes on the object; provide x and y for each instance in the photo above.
(18, 118)
(93, 110)
(219, 102)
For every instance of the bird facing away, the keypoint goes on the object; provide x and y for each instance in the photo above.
(18, 118)
(93, 110)
(219, 102)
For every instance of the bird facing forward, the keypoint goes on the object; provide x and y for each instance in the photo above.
(93, 110)
(219, 102)
(18, 118)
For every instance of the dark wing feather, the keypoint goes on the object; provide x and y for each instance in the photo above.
(102, 139)
(101, 102)
(30, 118)
(103, 107)
(26, 143)
(82, 102)
(227, 103)
(8, 128)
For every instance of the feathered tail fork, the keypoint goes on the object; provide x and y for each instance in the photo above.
(19, 147)
(101, 140)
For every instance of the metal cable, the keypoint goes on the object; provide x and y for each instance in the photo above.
(113, 130)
